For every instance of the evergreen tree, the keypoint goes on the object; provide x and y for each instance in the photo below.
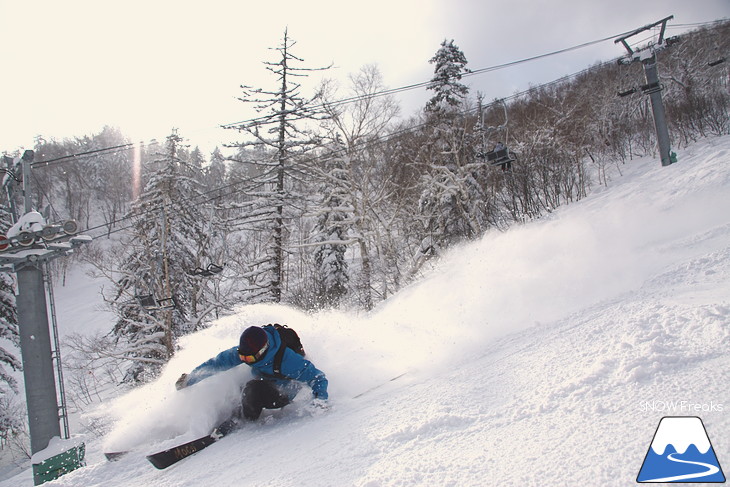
(157, 299)
(450, 65)
(280, 139)
(194, 164)
(215, 174)
(91, 190)
(331, 229)
(448, 181)
(9, 422)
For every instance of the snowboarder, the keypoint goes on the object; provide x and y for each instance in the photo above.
(277, 363)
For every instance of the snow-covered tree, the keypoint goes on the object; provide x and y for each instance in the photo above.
(9, 333)
(354, 168)
(448, 183)
(194, 164)
(332, 275)
(280, 136)
(9, 343)
(449, 66)
(215, 174)
(93, 189)
(157, 299)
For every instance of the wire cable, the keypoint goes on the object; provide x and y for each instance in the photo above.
(364, 144)
(390, 91)
(426, 83)
(209, 195)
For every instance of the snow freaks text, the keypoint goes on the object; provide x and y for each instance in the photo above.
(680, 407)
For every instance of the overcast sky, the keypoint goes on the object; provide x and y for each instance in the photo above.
(72, 66)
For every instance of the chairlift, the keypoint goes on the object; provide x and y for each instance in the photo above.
(716, 62)
(500, 156)
(209, 271)
(150, 303)
(627, 92)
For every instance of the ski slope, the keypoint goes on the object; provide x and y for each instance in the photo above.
(545, 355)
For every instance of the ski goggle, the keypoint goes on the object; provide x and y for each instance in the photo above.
(249, 359)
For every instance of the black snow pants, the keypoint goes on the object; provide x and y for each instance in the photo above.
(259, 394)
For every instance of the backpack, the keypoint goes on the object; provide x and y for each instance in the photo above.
(289, 339)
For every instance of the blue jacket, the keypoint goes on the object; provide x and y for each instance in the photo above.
(293, 365)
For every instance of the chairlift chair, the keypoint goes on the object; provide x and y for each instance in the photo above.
(211, 270)
(150, 303)
(627, 92)
(716, 62)
(500, 156)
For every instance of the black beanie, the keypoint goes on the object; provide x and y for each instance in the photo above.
(253, 339)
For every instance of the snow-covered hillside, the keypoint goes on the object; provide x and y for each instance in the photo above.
(545, 355)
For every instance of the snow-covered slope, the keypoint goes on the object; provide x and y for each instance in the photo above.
(545, 355)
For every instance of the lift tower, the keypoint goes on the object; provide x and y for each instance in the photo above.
(28, 245)
(648, 57)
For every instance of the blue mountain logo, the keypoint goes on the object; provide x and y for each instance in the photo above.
(681, 452)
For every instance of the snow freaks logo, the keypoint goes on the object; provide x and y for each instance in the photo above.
(680, 407)
(681, 452)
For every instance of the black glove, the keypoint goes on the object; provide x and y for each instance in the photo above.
(182, 382)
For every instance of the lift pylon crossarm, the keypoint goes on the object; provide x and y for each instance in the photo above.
(12, 261)
(623, 38)
(653, 87)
